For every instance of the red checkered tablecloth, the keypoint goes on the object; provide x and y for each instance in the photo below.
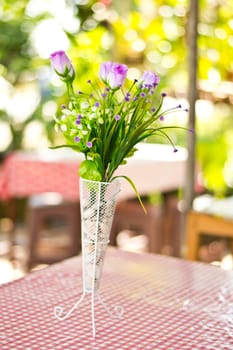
(26, 173)
(169, 304)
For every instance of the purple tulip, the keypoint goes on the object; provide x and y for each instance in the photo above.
(105, 69)
(149, 79)
(62, 65)
(113, 74)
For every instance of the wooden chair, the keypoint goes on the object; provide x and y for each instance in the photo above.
(161, 224)
(210, 217)
(130, 216)
(171, 225)
(42, 210)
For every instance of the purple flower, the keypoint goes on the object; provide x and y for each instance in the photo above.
(78, 120)
(161, 118)
(117, 117)
(113, 74)
(89, 144)
(149, 79)
(77, 139)
(62, 65)
(97, 104)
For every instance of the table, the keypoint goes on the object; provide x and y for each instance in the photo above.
(154, 167)
(169, 304)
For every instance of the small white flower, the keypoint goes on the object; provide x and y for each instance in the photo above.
(63, 127)
(66, 112)
(84, 105)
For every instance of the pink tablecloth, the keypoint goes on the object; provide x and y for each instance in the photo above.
(24, 175)
(153, 168)
(169, 304)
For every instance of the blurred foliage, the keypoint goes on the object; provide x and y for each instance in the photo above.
(210, 161)
(214, 147)
(143, 34)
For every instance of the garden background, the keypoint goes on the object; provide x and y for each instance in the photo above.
(149, 35)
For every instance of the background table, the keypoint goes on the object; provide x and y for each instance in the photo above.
(154, 167)
(170, 304)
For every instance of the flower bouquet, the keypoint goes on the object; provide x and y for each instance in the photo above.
(105, 124)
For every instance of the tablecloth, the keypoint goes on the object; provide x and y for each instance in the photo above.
(169, 304)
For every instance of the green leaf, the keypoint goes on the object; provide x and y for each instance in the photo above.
(134, 188)
(88, 170)
(75, 148)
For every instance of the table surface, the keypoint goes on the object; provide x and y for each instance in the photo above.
(27, 173)
(169, 304)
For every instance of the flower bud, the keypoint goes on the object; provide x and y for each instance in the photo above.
(149, 79)
(113, 74)
(62, 65)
